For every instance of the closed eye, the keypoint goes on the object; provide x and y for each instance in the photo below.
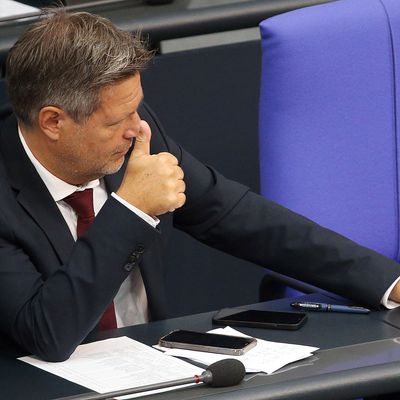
(115, 123)
(122, 120)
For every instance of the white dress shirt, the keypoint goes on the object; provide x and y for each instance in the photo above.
(130, 303)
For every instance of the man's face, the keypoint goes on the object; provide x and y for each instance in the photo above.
(97, 147)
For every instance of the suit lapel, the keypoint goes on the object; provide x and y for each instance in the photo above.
(32, 193)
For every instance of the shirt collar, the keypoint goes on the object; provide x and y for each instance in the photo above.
(58, 188)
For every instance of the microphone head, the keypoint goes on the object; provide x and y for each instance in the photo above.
(228, 372)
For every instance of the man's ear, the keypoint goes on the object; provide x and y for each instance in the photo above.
(51, 121)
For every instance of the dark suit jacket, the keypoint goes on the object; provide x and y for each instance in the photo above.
(53, 290)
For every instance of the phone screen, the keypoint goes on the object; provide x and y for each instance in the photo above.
(264, 319)
(207, 342)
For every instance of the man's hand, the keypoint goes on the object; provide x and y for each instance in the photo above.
(153, 182)
(395, 293)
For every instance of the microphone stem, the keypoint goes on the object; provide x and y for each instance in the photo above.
(139, 389)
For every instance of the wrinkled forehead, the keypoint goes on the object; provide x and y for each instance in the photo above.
(122, 98)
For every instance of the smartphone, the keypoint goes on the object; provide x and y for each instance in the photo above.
(208, 342)
(261, 319)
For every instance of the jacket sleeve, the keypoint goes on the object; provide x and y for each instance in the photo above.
(228, 216)
(265, 233)
(50, 316)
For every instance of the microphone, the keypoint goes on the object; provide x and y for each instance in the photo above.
(228, 372)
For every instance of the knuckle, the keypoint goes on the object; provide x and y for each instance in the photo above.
(179, 172)
(165, 156)
(169, 158)
(182, 199)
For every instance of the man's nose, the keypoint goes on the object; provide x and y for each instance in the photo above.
(133, 127)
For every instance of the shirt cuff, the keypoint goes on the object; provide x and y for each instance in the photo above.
(150, 220)
(390, 304)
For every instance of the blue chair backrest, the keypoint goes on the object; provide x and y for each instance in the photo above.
(329, 117)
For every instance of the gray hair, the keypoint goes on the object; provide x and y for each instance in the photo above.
(65, 59)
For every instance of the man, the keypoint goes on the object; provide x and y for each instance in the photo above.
(79, 128)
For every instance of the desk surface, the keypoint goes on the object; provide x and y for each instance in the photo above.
(359, 356)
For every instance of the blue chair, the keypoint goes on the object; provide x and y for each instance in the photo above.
(329, 117)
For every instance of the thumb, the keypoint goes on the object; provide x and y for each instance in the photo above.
(142, 141)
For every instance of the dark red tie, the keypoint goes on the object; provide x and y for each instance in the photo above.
(82, 203)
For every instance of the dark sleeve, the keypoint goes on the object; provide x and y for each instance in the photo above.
(50, 317)
(272, 236)
(228, 216)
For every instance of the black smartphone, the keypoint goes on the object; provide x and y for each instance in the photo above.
(208, 342)
(261, 319)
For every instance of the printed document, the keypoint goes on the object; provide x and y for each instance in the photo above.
(116, 364)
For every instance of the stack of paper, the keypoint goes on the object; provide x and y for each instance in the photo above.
(116, 364)
(265, 357)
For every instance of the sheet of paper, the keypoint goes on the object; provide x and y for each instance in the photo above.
(265, 357)
(9, 8)
(116, 364)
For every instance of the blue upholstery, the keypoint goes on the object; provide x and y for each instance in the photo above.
(329, 117)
